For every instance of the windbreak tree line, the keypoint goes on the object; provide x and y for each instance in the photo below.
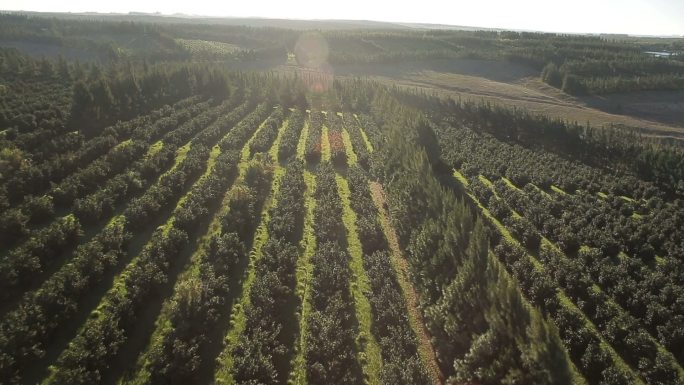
(577, 65)
(638, 158)
(162, 242)
(470, 304)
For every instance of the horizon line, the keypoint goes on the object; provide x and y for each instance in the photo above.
(406, 24)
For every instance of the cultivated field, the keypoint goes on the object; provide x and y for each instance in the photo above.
(657, 114)
(395, 212)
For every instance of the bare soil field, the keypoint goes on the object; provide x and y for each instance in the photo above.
(654, 113)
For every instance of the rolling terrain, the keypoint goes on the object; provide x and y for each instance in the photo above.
(354, 218)
(653, 113)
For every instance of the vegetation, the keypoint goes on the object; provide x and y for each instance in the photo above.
(165, 220)
(265, 348)
(331, 351)
(313, 151)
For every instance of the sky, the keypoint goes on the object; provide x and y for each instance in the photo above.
(637, 17)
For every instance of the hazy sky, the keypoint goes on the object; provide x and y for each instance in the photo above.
(645, 17)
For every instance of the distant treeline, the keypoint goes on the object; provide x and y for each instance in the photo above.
(617, 149)
(112, 41)
(576, 64)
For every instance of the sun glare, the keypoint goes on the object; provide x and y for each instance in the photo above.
(653, 17)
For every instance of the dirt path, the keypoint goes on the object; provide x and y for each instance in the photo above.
(538, 100)
(427, 353)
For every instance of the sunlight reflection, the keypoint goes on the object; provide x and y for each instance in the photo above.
(311, 53)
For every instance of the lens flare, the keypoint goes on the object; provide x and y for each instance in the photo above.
(311, 50)
(311, 53)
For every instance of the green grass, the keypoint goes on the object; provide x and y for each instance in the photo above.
(163, 324)
(425, 349)
(246, 153)
(304, 269)
(238, 321)
(119, 289)
(511, 185)
(461, 178)
(558, 190)
(273, 151)
(611, 302)
(489, 185)
(597, 289)
(223, 373)
(486, 181)
(303, 277)
(542, 192)
(352, 159)
(123, 144)
(369, 350)
(578, 378)
(562, 297)
(369, 146)
(213, 154)
(301, 145)
(602, 195)
(325, 144)
(154, 149)
(181, 153)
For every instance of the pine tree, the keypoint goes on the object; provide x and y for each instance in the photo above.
(551, 75)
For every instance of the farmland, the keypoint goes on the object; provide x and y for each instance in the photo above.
(173, 221)
(204, 48)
